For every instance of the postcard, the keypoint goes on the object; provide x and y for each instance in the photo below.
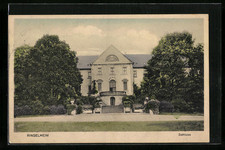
(108, 78)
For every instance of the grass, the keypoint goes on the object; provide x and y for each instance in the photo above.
(109, 126)
(177, 115)
(182, 114)
(25, 116)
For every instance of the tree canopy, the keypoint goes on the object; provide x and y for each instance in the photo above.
(47, 72)
(175, 72)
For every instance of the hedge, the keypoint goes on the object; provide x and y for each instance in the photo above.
(22, 110)
(166, 106)
(57, 110)
(44, 110)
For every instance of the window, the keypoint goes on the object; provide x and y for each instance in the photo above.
(111, 58)
(89, 89)
(89, 74)
(99, 81)
(99, 86)
(125, 84)
(112, 85)
(124, 70)
(99, 71)
(135, 73)
(111, 70)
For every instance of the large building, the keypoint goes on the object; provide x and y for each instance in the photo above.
(114, 74)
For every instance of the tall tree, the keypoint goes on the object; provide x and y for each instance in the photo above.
(194, 91)
(50, 72)
(19, 74)
(168, 73)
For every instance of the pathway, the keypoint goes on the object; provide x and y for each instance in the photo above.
(109, 117)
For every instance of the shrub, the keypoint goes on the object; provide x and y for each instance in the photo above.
(80, 102)
(57, 110)
(140, 99)
(97, 103)
(128, 101)
(50, 101)
(37, 107)
(22, 110)
(70, 108)
(130, 98)
(79, 109)
(153, 105)
(126, 104)
(180, 105)
(97, 106)
(166, 107)
(46, 110)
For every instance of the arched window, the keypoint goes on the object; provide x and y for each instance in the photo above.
(112, 85)
(111, 58)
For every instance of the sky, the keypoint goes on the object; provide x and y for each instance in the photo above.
(91, 36)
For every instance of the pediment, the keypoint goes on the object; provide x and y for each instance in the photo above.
(111, 56)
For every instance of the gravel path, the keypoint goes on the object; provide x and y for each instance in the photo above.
(109, 117)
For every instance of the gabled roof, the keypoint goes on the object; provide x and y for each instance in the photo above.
(111, 56)
(139, 60)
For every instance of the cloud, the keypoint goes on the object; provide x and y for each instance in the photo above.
(134, 41)
(88, 30)
(92, 40)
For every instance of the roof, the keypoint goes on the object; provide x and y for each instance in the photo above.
(139, 60)
(85, 61)
(112, 56)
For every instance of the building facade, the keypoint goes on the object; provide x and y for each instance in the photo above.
(113, 74)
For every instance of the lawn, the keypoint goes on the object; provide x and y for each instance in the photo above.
(109, 126)
(32, 116)
(182, 114)
(177, 114)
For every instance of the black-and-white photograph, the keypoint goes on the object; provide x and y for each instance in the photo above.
(108, 78)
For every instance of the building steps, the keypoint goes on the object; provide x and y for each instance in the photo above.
(112, 109)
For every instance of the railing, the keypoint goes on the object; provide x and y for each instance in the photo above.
(113, 93)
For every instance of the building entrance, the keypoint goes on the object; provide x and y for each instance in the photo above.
(112, 101)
